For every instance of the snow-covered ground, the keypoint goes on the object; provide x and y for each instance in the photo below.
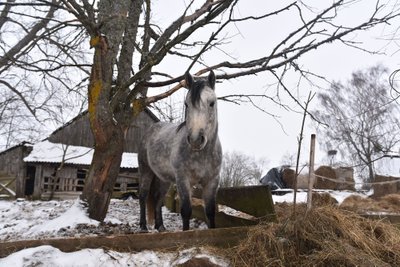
(48, 219)
(47, 256)
(21, 220)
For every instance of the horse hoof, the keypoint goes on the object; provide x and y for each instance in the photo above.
(143, 230)
(161, 229)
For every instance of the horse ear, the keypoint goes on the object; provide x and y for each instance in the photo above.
(188, 80)
(211, 79)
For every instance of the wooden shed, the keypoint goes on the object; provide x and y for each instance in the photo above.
(57, 166)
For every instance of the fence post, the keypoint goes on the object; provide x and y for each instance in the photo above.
(311, 174)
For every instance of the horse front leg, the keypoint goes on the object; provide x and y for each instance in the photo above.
(183, 187)
(209, 197)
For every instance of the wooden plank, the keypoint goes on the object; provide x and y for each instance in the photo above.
(222, 220)
(220, 237)
(7, 178)
(7, 190)
(64, 195)
(255, 200)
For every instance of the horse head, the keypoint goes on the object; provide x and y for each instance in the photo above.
(200, 111)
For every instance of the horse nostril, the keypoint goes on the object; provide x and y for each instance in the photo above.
(202, 139)
(188, 139)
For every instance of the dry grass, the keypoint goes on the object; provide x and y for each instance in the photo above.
(327, 236)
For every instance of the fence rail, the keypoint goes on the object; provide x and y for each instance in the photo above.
(62, 184)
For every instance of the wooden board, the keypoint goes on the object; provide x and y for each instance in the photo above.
(221, 237)
(253, 200)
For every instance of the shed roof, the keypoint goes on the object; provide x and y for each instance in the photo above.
(85, 112)
(49, 152)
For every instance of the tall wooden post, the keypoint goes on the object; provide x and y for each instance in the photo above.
(311, 174)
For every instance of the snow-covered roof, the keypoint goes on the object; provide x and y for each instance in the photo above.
(46, 151)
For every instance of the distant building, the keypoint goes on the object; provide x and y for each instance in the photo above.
(387, 176)
(34, 165)
(388, 165)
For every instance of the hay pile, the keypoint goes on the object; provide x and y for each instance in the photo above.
(384, 189)
(321, 183)
(327, 236)
(389, 203)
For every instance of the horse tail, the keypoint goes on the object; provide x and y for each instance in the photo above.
(151, 202)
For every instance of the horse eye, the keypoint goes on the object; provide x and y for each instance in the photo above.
(212, 104)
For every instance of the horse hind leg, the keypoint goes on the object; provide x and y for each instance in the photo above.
(146, 179)
(161, 189)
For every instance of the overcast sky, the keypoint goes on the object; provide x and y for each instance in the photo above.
(244, 128)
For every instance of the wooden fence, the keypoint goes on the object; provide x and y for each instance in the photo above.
(62, 184)
(7, 186)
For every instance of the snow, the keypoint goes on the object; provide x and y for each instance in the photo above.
(47, 256)
(301, 196)
(47, 151)
(70, 218)
(23, 220)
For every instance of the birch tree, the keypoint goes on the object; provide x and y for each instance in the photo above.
(362, 118)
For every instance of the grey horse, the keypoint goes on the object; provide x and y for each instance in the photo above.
(187, 154)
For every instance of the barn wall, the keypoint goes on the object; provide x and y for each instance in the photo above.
(78, 132)
(11, 163)
(127, 179)
(136, 132)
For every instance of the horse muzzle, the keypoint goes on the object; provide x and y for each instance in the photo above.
(198, 142)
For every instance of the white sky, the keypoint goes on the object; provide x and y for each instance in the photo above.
(243, 128)
(246, 129)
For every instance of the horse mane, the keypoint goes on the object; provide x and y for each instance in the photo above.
(180, 126)
(196, 87)
(195, 91)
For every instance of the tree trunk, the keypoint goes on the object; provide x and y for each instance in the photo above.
(102, 175)
(108, 122)
(108, 134)
(371, 175)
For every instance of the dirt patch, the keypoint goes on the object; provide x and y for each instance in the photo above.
(327, 236)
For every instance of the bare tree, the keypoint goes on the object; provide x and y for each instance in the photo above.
(170, 109)
(121, 31)
(362, 117)
(40, 69)
(239, 169)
